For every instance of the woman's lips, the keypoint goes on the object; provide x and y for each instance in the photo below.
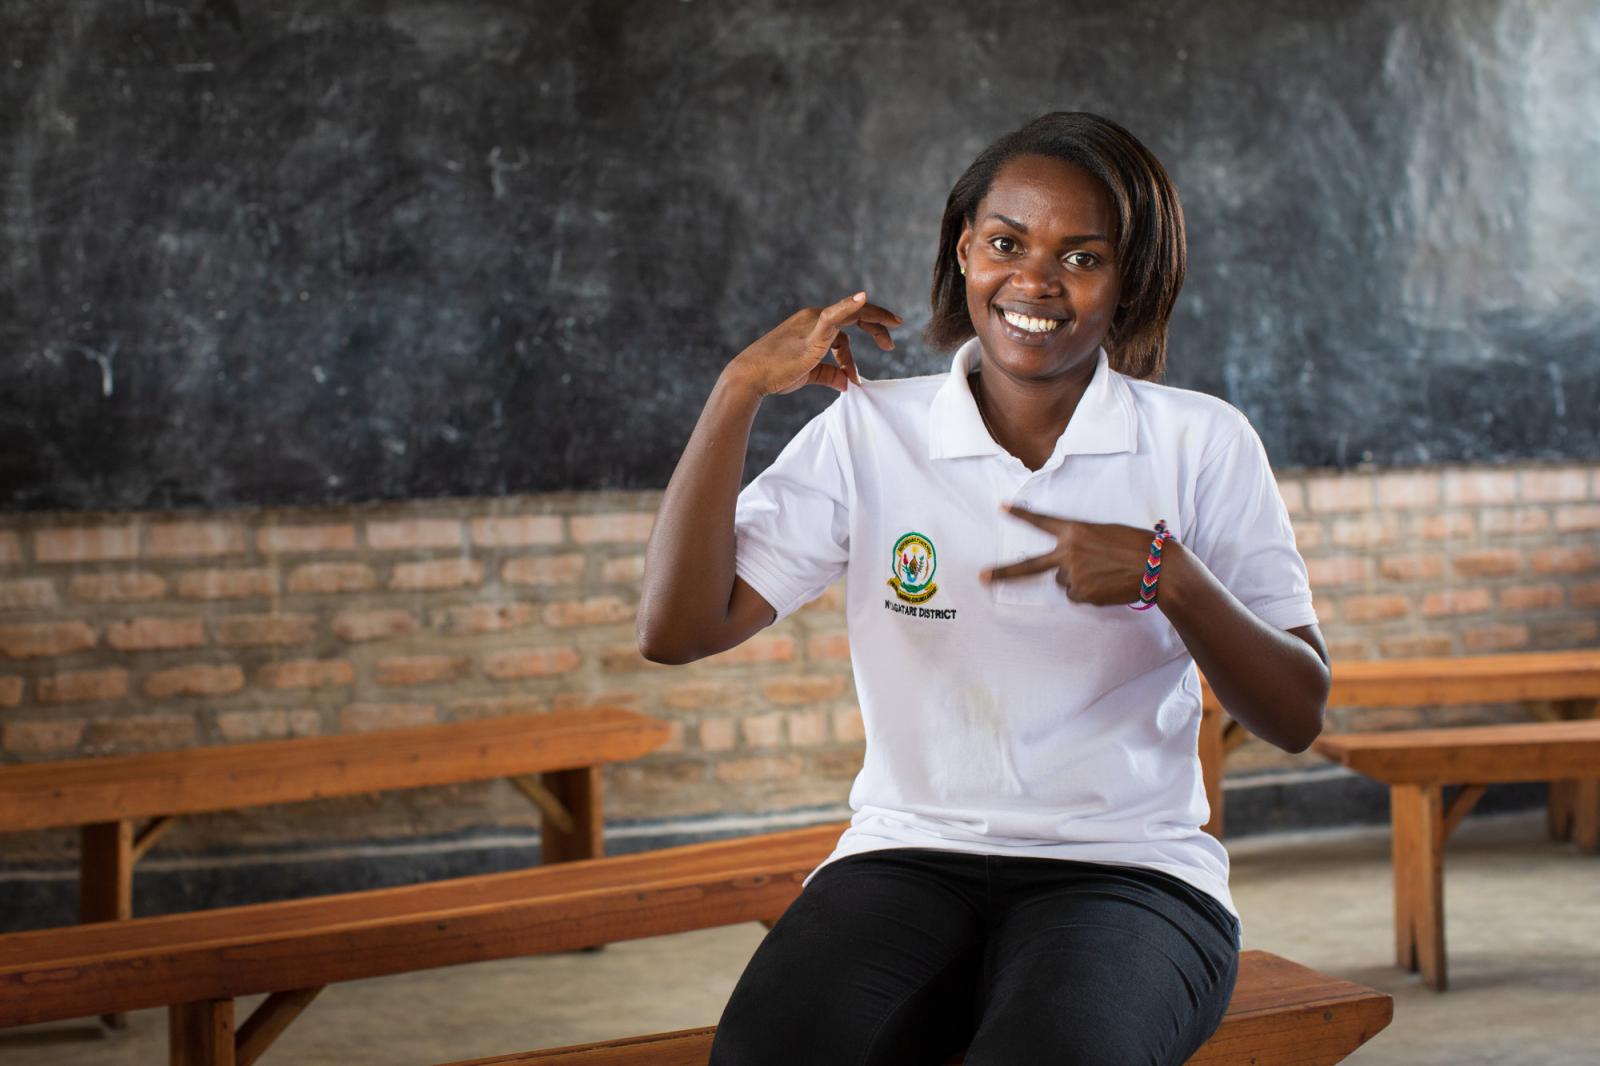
(1022, 336)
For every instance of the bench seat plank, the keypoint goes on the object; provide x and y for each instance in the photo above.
(228, 777)
(1282, 1014)
(1480, 755)
(51, 974)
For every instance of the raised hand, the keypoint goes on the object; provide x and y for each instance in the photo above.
(1093, 563)
(795, 353)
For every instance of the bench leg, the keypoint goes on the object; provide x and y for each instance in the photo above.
(1418, 843)
(200, 1034)
(1559, 812)
(105, 881)
(1586, 814)
(580, 792)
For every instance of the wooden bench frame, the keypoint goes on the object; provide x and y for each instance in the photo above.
(198, 963)
(1550, 686)
(1417, 765)
(1281, 1013)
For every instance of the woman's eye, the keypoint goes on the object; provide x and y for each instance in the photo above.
(1003, 244)
(1086, 260)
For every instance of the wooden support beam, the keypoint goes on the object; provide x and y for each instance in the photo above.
(150, 834)
(1586, 815)
(269, 1020)
(578, 792)
(1462, 802)
(1418, 837)
(201, 1034)
(549, 806)
(1233, 735)
(105, 881)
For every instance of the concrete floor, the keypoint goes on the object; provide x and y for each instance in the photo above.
(1523, 934)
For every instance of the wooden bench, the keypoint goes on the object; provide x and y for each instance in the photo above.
(1418, 764)
(197, 964)
(1553, 686)
(555, 759)
(1282, 1014)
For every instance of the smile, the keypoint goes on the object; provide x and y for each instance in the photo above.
(1029, 326)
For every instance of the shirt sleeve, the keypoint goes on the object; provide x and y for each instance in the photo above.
(1243, 534)
(792, 523)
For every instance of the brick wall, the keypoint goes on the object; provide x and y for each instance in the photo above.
(130, 632)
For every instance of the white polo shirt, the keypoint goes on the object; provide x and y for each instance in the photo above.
(1006, 719)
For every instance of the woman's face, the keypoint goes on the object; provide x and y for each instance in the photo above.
(1042, 282)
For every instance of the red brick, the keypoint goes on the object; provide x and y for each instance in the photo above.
(832, 599)
(822, 647)
(762, 730)
(482, 617)
(199, 679)
(837, 764)
(1307, 534)
(625, 658)
(239, 726)
(1411, 567)
(10, 549)
(1375, 608)
(847, 725)
(759, 768)
(1515, 521)
(411, 533)
(1339, 570)
(623, 570)
(530, 662)
(226, 584)
(28, 593)
(142, 732)
(1586, 594)
(1480, 486)
(593, 611)
(1530, 597)
(118, 588)
(1457, 601)
(1446, 527)
(612, 528)
(659, 777)
(791, 691)
(10, 690)
(366, 717)
(334, 537)
(436, 574)
(307, 673)
(45, 638)
(704, 695)
(83, 686)
(422, 669)
(41, 738)
(808, 729)
(1495, 562)
(1331, 494)
(332, 577)
(761, 649)
(1495, 637)
(1571, 560)
(1555, 486)
(1350, 649)
(1577, 519)
(171, 540)
(674, 744)
(543, 570)
(247, 630)
(718, 734)
(1565, 632)
(156, 634)
(516, 531)
(1366, 531)
(1408, 489)
(1416, 646)
(586, 701)
(495, 707)
(1294, 495)
(85, 544)
(355, 626)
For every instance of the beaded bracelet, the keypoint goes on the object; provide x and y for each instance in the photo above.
(1152, 570)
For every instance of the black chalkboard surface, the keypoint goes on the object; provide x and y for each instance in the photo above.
(275, 252)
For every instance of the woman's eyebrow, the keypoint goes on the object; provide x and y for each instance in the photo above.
(1077, 238)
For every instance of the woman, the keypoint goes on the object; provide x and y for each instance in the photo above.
(1025, 870)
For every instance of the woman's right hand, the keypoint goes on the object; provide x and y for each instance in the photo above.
(794, 354)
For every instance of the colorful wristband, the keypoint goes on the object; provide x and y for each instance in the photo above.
(1152, 570)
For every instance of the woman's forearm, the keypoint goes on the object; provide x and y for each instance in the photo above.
(689, 562)
(1271, 681)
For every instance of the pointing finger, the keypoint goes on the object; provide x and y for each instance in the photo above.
(1048, 523)
(1036, 565)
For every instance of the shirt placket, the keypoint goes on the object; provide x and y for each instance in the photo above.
(1016, 540)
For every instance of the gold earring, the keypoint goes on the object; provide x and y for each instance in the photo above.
(963, 271)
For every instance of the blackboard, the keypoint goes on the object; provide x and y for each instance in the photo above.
(281, 252)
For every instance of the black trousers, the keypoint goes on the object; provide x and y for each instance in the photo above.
(905, 955)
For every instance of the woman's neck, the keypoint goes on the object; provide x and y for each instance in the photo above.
(1025, 418)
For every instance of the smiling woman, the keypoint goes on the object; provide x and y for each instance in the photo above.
(1025, 873)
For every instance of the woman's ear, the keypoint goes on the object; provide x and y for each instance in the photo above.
(963, 242)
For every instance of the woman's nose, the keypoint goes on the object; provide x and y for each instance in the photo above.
(1038, 277)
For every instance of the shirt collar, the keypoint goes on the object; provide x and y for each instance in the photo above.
(1103, 423)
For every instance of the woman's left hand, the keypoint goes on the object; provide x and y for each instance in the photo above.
(1096, 564)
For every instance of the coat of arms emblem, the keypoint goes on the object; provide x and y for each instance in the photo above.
(912, 566)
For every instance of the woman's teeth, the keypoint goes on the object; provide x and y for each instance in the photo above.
(1030, 324)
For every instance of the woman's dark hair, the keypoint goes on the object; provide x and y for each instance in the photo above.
(1151, 251)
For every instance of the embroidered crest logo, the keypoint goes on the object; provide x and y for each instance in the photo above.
(912, 565)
